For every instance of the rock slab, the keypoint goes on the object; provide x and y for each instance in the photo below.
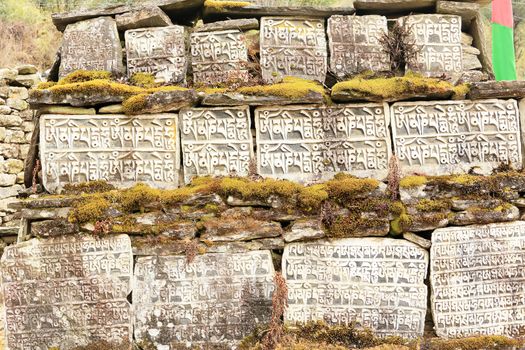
(212, 302)
(377, 283)
(93, 44)
(70, 290)
(119, 149)
(477, 274)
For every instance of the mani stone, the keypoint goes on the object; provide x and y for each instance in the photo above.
(147, 16)
(215, 141)
(119, 149)
(437, 40)
(376, 283)
(355, 44)
(72, 292)
(450, 137)
(219, 57)
(309, 143)
(212, 302)
(158, 51)
(92, 45)
(476, 275)
(293, 47)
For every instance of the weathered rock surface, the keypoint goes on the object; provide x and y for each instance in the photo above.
(240, 24)
(238, 228)
(53, 228)
(497, 89)
(166, 101)
(143, 17)
(485, 216)
(67, 110)
(420, 241)
(393, 5)
(304, 230)
(274, 8)
(238, 99)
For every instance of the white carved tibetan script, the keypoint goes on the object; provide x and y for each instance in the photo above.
(478, 280)
(377, 283)
(446, 137)
(120, 149)
(67, 292)
(293, 47)
(213, 302)
(306, 143)
(215, 141)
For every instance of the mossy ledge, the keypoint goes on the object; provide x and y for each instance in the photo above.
(396, 89)
(219, 5)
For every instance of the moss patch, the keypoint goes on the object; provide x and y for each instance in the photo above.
(397, 87)
(144, 80)
(219, 5)
(476, 343)
(290, 87)
(87, 188)
(345, 188)
(412, 181)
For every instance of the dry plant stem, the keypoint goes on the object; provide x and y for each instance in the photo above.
(279, 305)
(394, 177)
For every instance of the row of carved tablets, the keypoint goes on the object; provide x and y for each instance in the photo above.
(290, 46)
(119, 149)
(375, 282)
(68, 292)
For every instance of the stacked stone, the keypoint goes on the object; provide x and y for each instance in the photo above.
(16, 128)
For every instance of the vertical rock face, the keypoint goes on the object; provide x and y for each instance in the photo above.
(378, 283)
(120, 149)
(92, 45)
(212, 302)
(158, 51)
(354, 44)
(293, 47)
(453, 136)
(219, 57)
(215, 141)
(437, 39)
(304, 143)
(477, 280)
(71, 292)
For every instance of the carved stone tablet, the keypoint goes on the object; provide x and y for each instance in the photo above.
(219, 57)
(158, 51)
(212, 302)
(354, 44)
(92, 45)
(215, 141)
(120, 149)
(293, 47)
(376, 282)
(453, 136)
(67, 292)
(477, 279)
(438, 41)
(305, 143)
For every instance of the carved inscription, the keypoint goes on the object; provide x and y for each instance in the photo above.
(377, 283)
(119, 149)
(354, 44)
(67, 292)
(293, 47)
(219, 57)
(158, 51)
(216, 300)
(305, 143)
(453, 136)
(91, 45)
(438, 41)
(215, 141)
(478, 280)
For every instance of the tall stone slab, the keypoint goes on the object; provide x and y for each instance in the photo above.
(378, 283)
(437, 39)
(219, 57)
(477, 280)
(119, 149)
(213, 302)
(307, 143)
(93, 44)
(158, 51)
(449, 137)
(67, 292)
(355, 44)
(215, 141)
(293, 47)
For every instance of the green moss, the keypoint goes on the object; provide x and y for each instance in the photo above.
(397, 87)
(87, 188)
(400, 224)
(223, 5)
(345, 188)
(90, 209)
(145, 80)
(428, 205)
(81, 76)
(476, 343)
(140, 103)
(135, 198)
(412, 181)
(311, 198)
(291, 87)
